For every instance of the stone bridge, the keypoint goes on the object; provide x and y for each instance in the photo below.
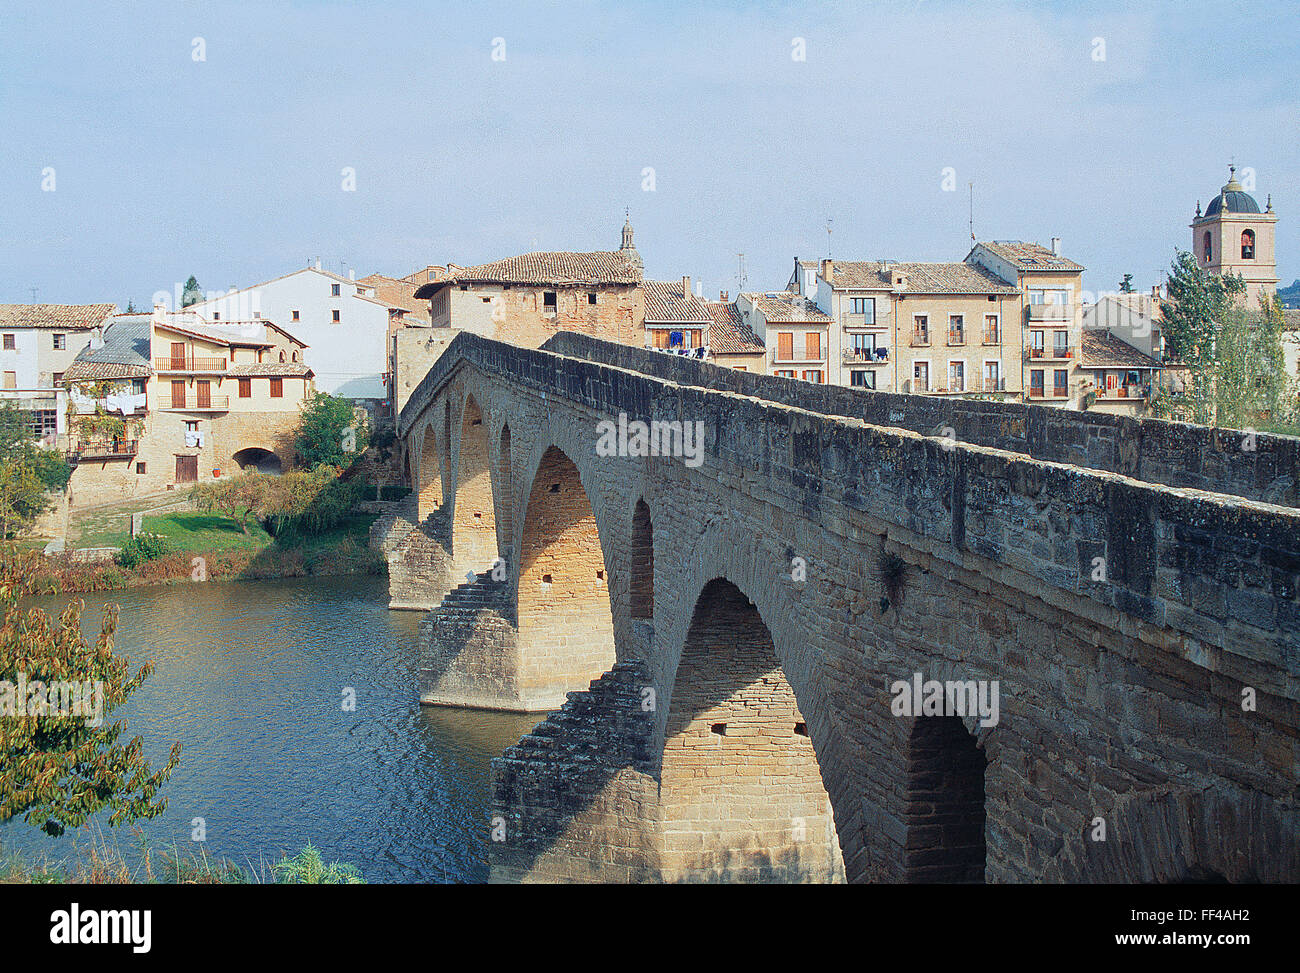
(728, 633)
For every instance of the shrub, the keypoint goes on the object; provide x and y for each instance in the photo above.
(308, 868)
(141, 548)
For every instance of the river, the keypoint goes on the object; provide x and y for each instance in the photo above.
(250, 679)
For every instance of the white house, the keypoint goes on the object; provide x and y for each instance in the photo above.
(340, 320)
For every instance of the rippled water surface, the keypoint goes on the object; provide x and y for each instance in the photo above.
(250, 679)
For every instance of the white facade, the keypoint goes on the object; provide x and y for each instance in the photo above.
(344, 327)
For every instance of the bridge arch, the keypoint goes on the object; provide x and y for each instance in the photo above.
(258, 459)
(565, 622)
(429, 487)
(474, 533)
(741, 792)
(944, 809)
(504, 491)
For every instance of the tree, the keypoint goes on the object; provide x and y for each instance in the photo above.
(27, 472)
(1126, 285)
(130, 307)
(330, 431)
(192, 292)
(239, 497)
(60, 761)
(1196, 301)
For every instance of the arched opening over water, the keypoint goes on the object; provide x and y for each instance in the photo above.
(944, 810)
(430, 485)
(642, 566)
(741, 791)
(566, 627)
(474, 532)
(256, 459)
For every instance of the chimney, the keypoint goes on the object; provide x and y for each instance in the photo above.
(828, 270)
(1155, 292)
(352, 274)
(318, 263)
(722, 296)
(1056, 246)
(686, 288)
(97, 337)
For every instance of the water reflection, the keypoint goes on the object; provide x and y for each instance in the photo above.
(251, 679)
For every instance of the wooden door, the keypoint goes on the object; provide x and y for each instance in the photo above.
(178, 355)
(187, 469)
(204, 392)
(178, 393)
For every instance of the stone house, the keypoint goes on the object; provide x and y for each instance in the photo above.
(732, 342)
(166, 399)
(37, 344)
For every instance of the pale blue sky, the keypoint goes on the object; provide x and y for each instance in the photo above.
(230, 168)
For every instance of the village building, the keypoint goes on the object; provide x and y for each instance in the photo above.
(166, 399)
(675, 319)
(1121, 377)
(37, 344)
(792, 329)
(732, 343)
(1233, 236)
(342, 321)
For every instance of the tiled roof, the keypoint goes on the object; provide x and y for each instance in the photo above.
(1291, 319)
(728, 334)
(1030, 256)
(251, 334)
(125, 353)
(546, 267)
(788, 308)
(287, 369)
(921, 278)
(70, 317)
(396, 294)
(666, 304)
(1101, 349)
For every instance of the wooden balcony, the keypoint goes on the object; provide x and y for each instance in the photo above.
(96, 452)
(189, 364)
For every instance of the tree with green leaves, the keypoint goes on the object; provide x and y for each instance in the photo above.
(28, 473)
(331, 432)
(61, 762)
(1126, 285)
(238, 497)
(192, 292)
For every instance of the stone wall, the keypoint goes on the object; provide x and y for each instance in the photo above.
(1256, 466)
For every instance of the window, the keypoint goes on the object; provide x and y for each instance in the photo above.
(277, 388)
(784, 373)
(956, 329)
(140, 468)
(60, 341)
(863, 346)
(137, 385)
(992, 330)
(178, 393)
(920, 329)
(813, 375)
(1036, 344)
(11, 380)
(1061, 383)
(257, 315)
(294, 315)
(1036, 383)
(548, 301)
(866, 306)
(860, 378)
(591, 297)
(334, 290)
(45, 424)
(281, 356)
(58, 378)
(9, 342)
(956, 376)
(785, 346)
(294, 356)
(1248, 245)
(245, 388)
(191, 425)
(216, 315)
(992, 376)
(335, 315)
(920, 376)
(1061, 344)
(1207, 247)
(812, 345)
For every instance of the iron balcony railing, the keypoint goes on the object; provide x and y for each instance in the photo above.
(189, 364)
(121, 449)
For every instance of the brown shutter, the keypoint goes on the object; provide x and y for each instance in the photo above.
(785, 346)
(813, 345)
(178, 393)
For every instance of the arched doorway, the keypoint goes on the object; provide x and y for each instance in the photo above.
(254, 459)
(642, 581)
(742, 798)
(566, 627)
(944, 809)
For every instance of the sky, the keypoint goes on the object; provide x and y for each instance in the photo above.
(236, 141)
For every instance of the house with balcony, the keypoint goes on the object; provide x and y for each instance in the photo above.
(37, 344)
(1120, 376)
(1050, 316)
(676, 321)
(793, 329)
(165, 399)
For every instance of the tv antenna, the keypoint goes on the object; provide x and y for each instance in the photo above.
(33, 290)
(829, 221)
(971, 185)
(741, 278)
